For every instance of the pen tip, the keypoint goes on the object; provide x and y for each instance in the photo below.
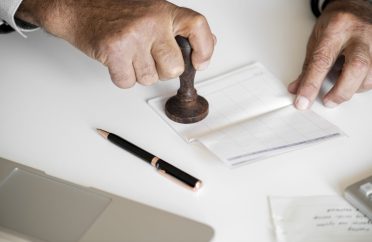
(103, 133)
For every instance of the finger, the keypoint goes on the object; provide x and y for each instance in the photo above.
(144, 68)
(214, 39)
(121, 72)
(355, 70)
(320, 58)
(195, 27)
(293, 86)
(117, 55)
(367, 83)
(168, 58)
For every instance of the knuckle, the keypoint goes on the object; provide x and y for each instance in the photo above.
(359, 61)
(339, 19)
(201, 57)
(166, 52)
(321, 60)
(170, 66)
(204, 54)
(104, 50)
(173, 72)
(108, 47)
(342, 96)
(147, 78)
(118, 41)
(309, 85)
(199, 21)
(170, 63)
(107, 43)
(305, 65)
(194, 19)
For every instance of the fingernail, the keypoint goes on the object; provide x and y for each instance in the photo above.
(330, 104)
(203, 66)
(302, 103)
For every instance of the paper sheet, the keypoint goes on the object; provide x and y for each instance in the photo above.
(243, 93)
(250, 117)
(272, 133)
(318, 219)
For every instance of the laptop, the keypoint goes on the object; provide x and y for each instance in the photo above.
(35, 207)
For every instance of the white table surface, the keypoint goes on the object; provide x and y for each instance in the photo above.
(52, 98)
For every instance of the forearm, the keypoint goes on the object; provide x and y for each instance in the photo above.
(52, 15)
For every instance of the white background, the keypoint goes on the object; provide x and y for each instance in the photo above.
(52, 98)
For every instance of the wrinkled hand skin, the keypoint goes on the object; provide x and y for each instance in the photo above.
(343, 29)
(135, 39)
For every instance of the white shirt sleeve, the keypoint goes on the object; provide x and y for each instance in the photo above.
(320, 4)
(8, 9)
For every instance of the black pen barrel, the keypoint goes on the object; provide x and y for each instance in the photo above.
(140, 153)
(177, 173)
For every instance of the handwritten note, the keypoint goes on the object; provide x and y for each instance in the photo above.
(346, 218)
(320, 218)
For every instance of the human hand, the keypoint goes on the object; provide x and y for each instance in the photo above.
(135, 39)
(343, 29)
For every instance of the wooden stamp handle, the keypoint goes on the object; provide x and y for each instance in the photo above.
(187, 92)
(187, 106)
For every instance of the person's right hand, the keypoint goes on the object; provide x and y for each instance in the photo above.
(135, 39)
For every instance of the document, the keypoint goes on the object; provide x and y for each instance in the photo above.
(318, 219)
(251, 117)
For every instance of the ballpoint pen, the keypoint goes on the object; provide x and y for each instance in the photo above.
(162, 166)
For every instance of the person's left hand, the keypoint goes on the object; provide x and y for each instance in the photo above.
(344, 28)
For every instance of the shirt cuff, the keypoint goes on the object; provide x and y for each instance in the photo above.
(317, 6)
(8, 9)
